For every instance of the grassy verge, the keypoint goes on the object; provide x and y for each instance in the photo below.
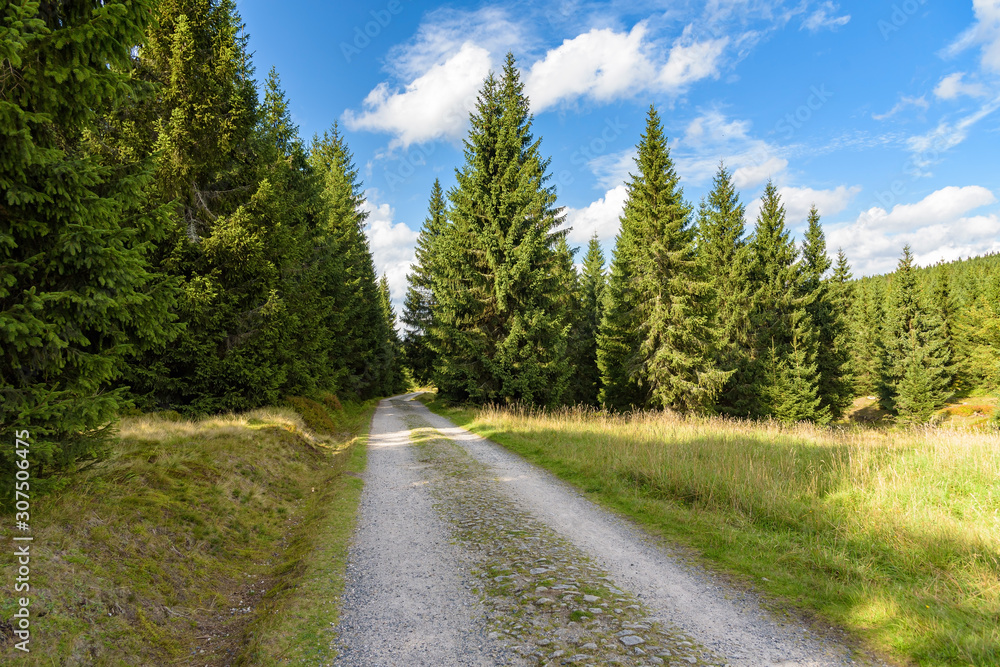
(894, 535)
(189, 544)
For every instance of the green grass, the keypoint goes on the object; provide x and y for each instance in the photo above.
(154, 555)
(891, 534)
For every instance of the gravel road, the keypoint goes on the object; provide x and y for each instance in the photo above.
(465, 554)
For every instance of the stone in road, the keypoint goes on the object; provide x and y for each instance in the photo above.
(556, 579)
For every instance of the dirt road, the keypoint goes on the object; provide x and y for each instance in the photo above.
(465, 554)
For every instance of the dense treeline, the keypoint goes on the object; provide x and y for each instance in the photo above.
(167, 239)
(693, 313)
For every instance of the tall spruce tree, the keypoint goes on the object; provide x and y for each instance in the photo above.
(344, 216)
(78, 296)
(592, 287)
(784, 340)
(571, 305)
(915, 373)
(825, 308)
(723, 253)
(419, 305)
(498, 330)
(655, 346)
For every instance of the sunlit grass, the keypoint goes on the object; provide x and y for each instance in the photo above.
(892, 533)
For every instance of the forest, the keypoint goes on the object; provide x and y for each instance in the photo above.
(170, 242)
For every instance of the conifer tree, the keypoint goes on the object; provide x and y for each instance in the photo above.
(78, 295)
(592, 287)
(723, 253)
(391, 379)
(825, 308)
(669, 355)
(498, 330)
(570, 304)
(419, 304)
(796, 395)
(344, 216)
(867, 337)
(915, 374)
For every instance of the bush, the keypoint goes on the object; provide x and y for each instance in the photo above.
(331, 401)
(315, 415)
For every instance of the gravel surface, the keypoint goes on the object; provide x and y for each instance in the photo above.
(405, 601)
(465, 554)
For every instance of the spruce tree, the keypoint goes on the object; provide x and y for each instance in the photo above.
(419, 305)
(678, 366)
(343, 214)
(78, 294)
(498, 330)
(570, 304)
(390, 375)
(867, 337)
(784, 338)
(723, 253)
(592, 287)
(655, 346)
(915, 372)
(825, 308)
(796, 395)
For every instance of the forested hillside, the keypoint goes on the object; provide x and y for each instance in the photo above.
(168, 240)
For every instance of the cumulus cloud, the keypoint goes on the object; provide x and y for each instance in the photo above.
(604, 64)
(825, 17)
(798, 201)
(600, 217)
(392, 245)
(691, 61)
(751, 175)
(938, 228)
(435, 105)
(953, 86)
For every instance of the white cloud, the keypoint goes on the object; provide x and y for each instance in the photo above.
(750, 175)
(435, 105)
(902, 104)
(603, 64)
(953, 86)
(392, 245)
(937, 228)
(691, 61)
(798, 201)
(600, 217)
(985, 32)
(825, 17)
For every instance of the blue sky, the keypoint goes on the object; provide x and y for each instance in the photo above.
(882, 114)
